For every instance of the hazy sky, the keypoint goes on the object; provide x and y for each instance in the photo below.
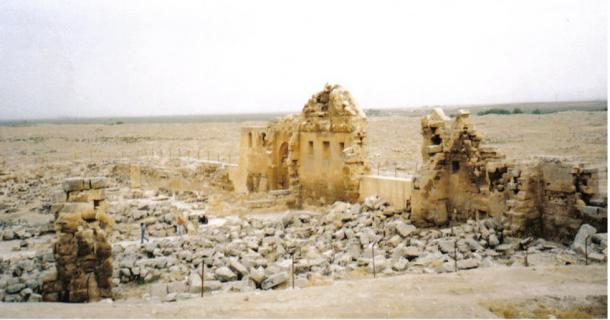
(123, 58)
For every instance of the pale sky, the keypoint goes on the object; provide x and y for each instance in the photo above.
(131, 58)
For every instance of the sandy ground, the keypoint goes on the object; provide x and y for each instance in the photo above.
(394, 141)
(570, 291)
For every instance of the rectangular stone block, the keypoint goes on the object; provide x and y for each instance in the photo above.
(75, 184)
(435, 148)
(87, 195)
(77, 207)
(558, 177)
(98, 182)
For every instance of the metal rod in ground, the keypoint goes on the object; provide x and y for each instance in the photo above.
(455, 256)
(202, 275)
(292, 271)
(373, 253)
(527, 264)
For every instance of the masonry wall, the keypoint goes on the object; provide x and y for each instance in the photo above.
(322, 166)
(318, 155)
(396, 191)
(461, 179)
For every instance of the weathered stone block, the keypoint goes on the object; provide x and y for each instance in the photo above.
(75, 184)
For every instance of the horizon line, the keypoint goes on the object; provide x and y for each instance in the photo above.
(451, 106)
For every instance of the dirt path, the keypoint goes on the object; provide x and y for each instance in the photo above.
(556, 290)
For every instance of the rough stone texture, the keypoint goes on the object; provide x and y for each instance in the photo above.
(461, 179)
(225, 274)
(330, 136)
(83, 255)
(275, 280)
(404, 230)
(585, 231)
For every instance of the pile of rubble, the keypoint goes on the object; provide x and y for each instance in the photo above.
(158, 211)
(82, 253)
(242, 254)
(21, 276)
(20, 230)
(251, 253)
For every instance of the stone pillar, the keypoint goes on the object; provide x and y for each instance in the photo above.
(83, 255)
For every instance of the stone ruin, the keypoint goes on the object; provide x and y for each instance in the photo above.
(83, 255)
(318, 155)
(492, 211)
(461, 179)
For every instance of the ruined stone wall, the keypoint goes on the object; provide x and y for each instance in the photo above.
(318, 155)
(462, 179)
(452, 181)
(264, 156)
(256, 163)
(83, 255)
(178, 176)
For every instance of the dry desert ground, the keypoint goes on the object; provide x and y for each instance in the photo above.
(36, 158)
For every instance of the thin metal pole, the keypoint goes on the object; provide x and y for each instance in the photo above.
(373, 252)
(455, 255)
(202, 274)
(292, 272)
(527, 264)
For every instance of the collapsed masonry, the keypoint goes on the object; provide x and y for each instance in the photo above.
(83, 255)
(461, 179)
(317, 155)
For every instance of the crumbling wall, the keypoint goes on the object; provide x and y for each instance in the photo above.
(462, 179)
(318, 155)
(83, 255)
(265, 156)
(181, 176)
(453, 181)
(333, 141)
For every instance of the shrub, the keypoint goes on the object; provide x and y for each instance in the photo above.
(517, 111)
(537, 111)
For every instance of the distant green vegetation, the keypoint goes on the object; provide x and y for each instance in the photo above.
(373, 112)
(543, 109)
(493, 111)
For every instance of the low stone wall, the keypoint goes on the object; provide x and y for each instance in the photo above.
(185, 175)
(397, 191)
